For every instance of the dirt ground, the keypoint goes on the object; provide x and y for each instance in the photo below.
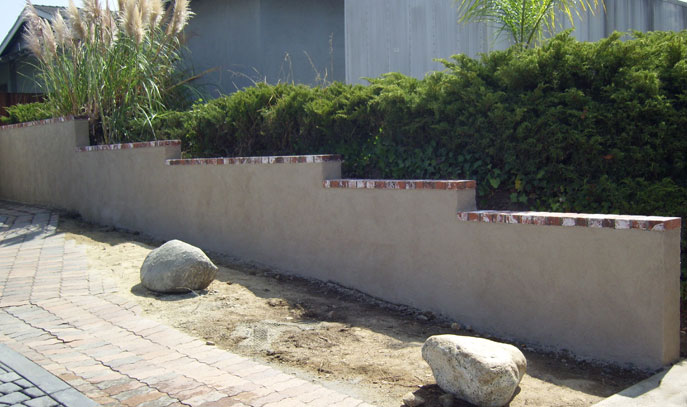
(339, 338)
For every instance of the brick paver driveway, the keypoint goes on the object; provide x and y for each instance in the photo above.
(70, 321)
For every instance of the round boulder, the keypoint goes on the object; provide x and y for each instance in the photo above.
(177, 267)
(477, 370)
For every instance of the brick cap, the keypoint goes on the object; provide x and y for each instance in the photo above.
(61, 119)
(399, 184)
(126, 146)
(278, 159)
(653, 223)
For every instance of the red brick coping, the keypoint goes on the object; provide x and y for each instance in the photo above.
(126, 146)
(41, 122)
(399, 184)
(655, 223)
(282, 159)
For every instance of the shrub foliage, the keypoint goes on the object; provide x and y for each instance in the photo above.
(25, 113)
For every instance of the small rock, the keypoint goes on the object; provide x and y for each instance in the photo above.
(446, 400)
(455, 326)
(412, 400)
(422, 317)
(430, 315)
(274, 302)
(480, 371)
(177, 267)
(210, 343)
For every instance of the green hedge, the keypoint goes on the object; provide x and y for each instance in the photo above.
(594, 127)
(570, 126)
(25, 113)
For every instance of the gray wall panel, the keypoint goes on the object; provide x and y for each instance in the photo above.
(406, 35)
(273, 40)
(397, 37)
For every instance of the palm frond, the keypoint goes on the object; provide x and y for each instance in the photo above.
(524, 20)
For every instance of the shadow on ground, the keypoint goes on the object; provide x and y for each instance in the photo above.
(312, 317)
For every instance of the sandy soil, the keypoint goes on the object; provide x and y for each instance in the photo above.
(339, 338)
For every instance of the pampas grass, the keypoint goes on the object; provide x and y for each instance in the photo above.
(63, 33)
(74, 20)
(112, 66)
(33, 33)
(180, 16)
(156, 11)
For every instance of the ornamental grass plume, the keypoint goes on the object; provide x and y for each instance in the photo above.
(182, 13)
(110, 27)
(156, 11)
(92, 11)
(48, 40)
(74, 20)
(62, 31)
(145, 13)
(33, 33)
(114, 67)
(133, 25)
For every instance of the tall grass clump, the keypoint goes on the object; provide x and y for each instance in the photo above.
(111, 66)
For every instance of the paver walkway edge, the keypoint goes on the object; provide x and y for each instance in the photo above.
(667, 388)
(68, 320)
(48, 386)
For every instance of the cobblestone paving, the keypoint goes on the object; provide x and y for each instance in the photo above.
(24, 383)
(15, 390)
(70, 321)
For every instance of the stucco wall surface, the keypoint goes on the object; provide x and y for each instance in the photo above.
(601, 292)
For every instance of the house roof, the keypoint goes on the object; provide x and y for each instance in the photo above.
(46, 12)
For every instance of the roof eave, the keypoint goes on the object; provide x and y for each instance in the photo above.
(10, 35)
(17, 25)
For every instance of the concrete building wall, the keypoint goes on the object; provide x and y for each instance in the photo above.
(406, 35)
(272, 40)
(607, 290)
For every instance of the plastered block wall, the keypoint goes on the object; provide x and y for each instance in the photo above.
(604, 287)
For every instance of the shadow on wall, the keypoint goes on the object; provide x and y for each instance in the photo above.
(216, 81)
(248, 41)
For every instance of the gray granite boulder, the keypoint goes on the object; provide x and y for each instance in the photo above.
(477, 370)
(177, 267)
